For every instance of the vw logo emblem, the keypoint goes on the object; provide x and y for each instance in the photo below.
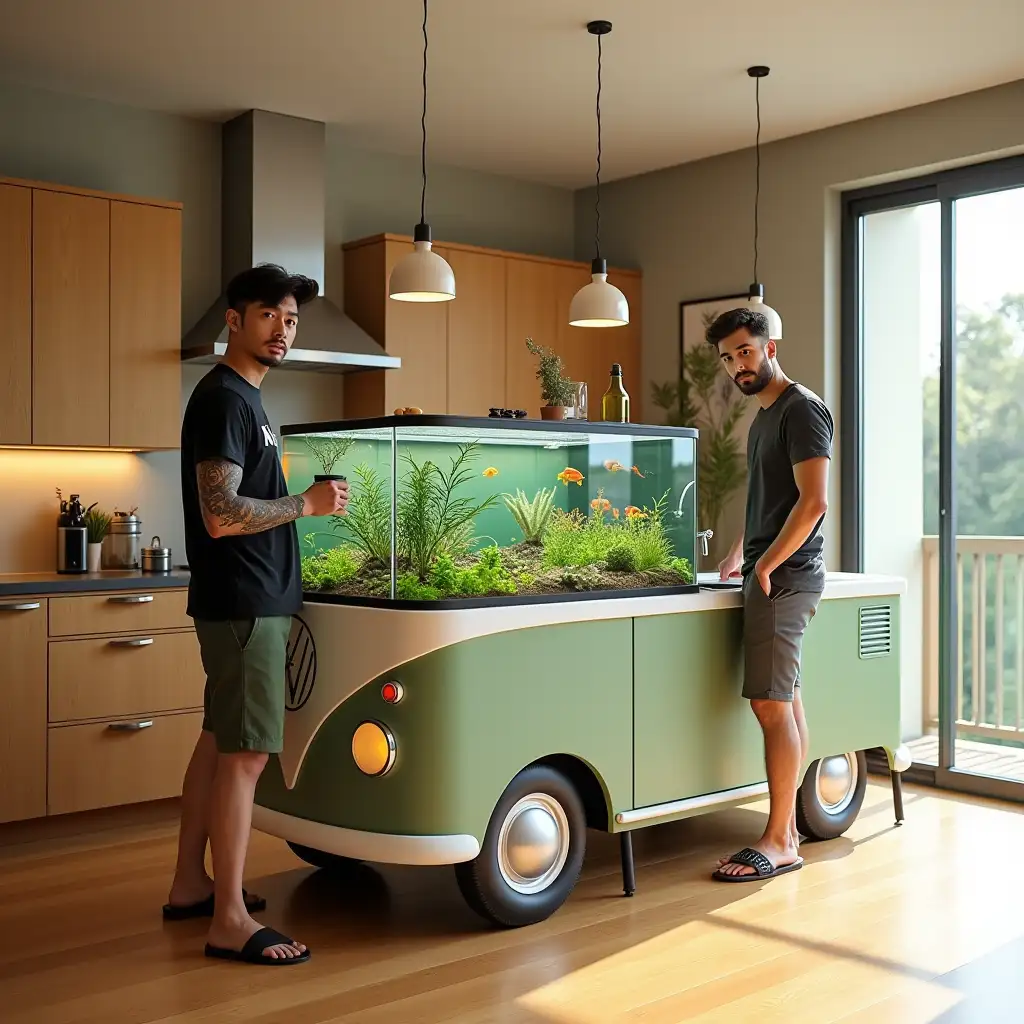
(300, 665)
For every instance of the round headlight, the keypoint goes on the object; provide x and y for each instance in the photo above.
(373, 748)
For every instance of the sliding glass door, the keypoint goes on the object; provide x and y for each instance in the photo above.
(933, 455)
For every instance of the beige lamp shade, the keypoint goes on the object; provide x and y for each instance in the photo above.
(755, 302)
(598, 304)
(422, 275)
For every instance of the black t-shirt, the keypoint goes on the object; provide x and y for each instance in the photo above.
(795, 427)
(249, 575)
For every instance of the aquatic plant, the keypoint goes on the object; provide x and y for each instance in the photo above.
(682, 567)
(430, 517)
(368, 519)
(531, 516)
(329, 568)
(487, 576)
(328, 450)
(573, 539)
(584, 577)
(554, 388)
(621, 558)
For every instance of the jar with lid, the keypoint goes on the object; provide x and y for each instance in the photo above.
(122, 548)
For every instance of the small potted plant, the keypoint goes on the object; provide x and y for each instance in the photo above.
(97, 526)
(327, 451)
(556, 391)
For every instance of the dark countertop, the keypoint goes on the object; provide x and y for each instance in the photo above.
(41, 584)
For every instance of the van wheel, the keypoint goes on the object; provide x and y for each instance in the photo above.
(532, 851)
(831, 795)
(320, 859)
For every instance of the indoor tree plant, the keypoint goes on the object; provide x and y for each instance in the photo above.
(555, 390)
(705, 399)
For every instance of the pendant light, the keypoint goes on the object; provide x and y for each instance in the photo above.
(755, 294)
(423, 275)
(598, 304)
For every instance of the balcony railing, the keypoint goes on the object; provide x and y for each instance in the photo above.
(990, 620)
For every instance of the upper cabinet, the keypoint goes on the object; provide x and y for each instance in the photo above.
(97, 325)
(466, 356)
(16, 273)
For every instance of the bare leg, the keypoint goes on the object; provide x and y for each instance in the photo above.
(234, 787)
(801, 725)
(191, 882)
(782, 752)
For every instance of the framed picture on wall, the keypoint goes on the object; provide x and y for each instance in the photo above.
(696, 315)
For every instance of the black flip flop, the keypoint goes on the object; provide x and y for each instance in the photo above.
(759, 862)
(204, 908)
(252, 951)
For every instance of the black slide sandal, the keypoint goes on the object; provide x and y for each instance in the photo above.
(204, 908)
(252, 951)
(759, 862)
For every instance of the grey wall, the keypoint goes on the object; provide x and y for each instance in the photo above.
(70, 140)
(690, 228)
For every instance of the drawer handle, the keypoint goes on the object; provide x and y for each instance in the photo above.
(143, 599)
(129, 726)
(137, 642)
(28, 606)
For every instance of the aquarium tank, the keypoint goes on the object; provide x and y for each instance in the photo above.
(468, 510)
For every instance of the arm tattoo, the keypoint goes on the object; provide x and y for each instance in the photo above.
(218, 495)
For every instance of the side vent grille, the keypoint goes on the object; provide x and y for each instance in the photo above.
(875, 631)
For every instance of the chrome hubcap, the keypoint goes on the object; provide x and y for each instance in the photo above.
(836, 782)
(533, 844)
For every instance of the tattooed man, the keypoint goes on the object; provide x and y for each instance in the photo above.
(243, 552)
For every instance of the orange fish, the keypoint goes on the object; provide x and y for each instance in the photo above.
(638, 473)
(489, 472)
(632, 512)
(601, 503)
(613, 465)
(615, 513)
(570, 476)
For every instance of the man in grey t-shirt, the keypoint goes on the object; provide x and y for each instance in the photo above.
(779, 556)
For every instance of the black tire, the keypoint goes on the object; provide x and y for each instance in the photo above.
(816, 818)
(483, 881)
(320, 859)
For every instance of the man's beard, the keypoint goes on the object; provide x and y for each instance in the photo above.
(760, 380)
(270, 361)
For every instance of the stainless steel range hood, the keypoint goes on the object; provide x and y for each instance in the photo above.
(272, 210)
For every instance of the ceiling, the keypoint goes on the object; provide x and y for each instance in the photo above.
(512, 82)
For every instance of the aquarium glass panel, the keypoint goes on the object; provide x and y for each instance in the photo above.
(487, 512)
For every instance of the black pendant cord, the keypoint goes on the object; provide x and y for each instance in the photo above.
(597, 202)
(423, 124)
(757, 173)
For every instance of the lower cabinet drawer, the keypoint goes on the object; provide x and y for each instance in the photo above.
(111, 677)
(104, 765)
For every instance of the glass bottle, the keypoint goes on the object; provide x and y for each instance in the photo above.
(615, 403)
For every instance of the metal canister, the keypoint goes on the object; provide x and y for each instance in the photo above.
(122, 547)
(156, 558)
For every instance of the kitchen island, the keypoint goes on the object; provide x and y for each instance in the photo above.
(489, 730)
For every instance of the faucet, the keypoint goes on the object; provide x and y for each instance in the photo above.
(704, 536)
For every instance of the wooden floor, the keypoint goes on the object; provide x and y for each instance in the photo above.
(903, 925)
(974, 756)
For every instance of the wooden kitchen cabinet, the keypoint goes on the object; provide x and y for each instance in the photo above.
(70, 319)
(465, 356)
(145, 326)
(23, 709)
(476, 334)
(93, 285)
(16, 274)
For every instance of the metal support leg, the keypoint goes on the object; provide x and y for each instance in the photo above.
(897, 796)
(628, 868)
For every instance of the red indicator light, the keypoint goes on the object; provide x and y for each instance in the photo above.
(391, 693)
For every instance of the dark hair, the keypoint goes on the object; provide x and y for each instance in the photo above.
(731, 321)
(269, 285)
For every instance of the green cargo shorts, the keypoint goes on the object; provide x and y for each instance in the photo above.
(243, 705)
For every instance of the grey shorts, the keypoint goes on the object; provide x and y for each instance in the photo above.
(773, 633)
